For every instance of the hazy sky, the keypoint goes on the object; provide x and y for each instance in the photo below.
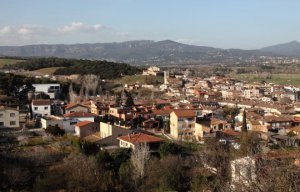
(247, 24)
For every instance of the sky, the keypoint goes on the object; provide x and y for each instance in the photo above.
(245, 24)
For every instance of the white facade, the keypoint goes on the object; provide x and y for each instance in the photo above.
(9, 117)
(67, 124)
(42, 110)
(126, 144)
(105, 130)
(50, 89)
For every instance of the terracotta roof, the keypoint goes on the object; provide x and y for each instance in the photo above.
(231, 132)
(41, 102)
(278, 119)
(2, 107)
(80, 114)
(140, 138)
(71, 105)
(185, 113)
(162, 111)
(83, 123)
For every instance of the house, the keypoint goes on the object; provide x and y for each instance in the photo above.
(278, 121)
(40, 107)
(134, 139)
(151, 71)
(109, 133)
(86, 128)
(66, 124)
(81, 116)
(9, 117)
(76, 107)
(100, 109)
(53, 89)
(200, 131)
(182, 123)
(121, 113)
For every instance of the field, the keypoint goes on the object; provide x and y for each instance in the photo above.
(281, 79)
(47, 71)
(142, 79)
(9, 62)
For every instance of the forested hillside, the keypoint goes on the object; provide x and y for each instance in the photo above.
(104, 69)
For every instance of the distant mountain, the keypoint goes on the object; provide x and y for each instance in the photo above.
(135, 52)
(287, 49)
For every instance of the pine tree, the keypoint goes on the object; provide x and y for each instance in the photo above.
(244, 126)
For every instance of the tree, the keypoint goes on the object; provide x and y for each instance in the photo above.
(55, 130)
(129, 99)
(244, 126)
(139, 157)
(168, 148)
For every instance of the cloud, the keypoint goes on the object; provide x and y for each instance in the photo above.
(75, 32)
(79, 26)
(5, 30)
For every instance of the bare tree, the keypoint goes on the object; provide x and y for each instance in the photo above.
(139, 158)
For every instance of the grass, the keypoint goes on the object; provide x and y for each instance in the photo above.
(142, 79)
(47, 71)
(9, 62)
(281, 79)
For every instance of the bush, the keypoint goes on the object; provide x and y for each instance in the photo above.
(55, 130)
(167, 148)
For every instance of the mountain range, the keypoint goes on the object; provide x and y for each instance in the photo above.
(149, 52)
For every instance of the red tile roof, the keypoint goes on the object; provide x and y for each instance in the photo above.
(41, 102)
(185, 113)
(231, 132)
(162, 111)
(140, 138)
(80, 114)
(83, 123)
(71, 105)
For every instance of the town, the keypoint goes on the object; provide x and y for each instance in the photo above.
(188, 111)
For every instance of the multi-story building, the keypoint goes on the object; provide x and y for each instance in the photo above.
(40, 107)
(53, 90)
(9, 117)
(182, 123)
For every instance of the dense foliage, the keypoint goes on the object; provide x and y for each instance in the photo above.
(39, 63)
(55, 130)
(103, 69)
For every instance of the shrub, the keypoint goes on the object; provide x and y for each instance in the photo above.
(55, 130)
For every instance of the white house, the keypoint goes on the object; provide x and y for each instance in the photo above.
(81, 116)
(132, 140)
(41, 107)
(9, 117)
(64, 123)
(53, 90)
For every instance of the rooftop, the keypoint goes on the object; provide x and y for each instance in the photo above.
(80, 114)
(140, 138)
(41, 102)
(83, 123)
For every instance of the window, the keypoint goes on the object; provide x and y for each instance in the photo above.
(1, 123)
(1, 114)
(45, 108)
(35, 108)
(12, 115)
(12, 123)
